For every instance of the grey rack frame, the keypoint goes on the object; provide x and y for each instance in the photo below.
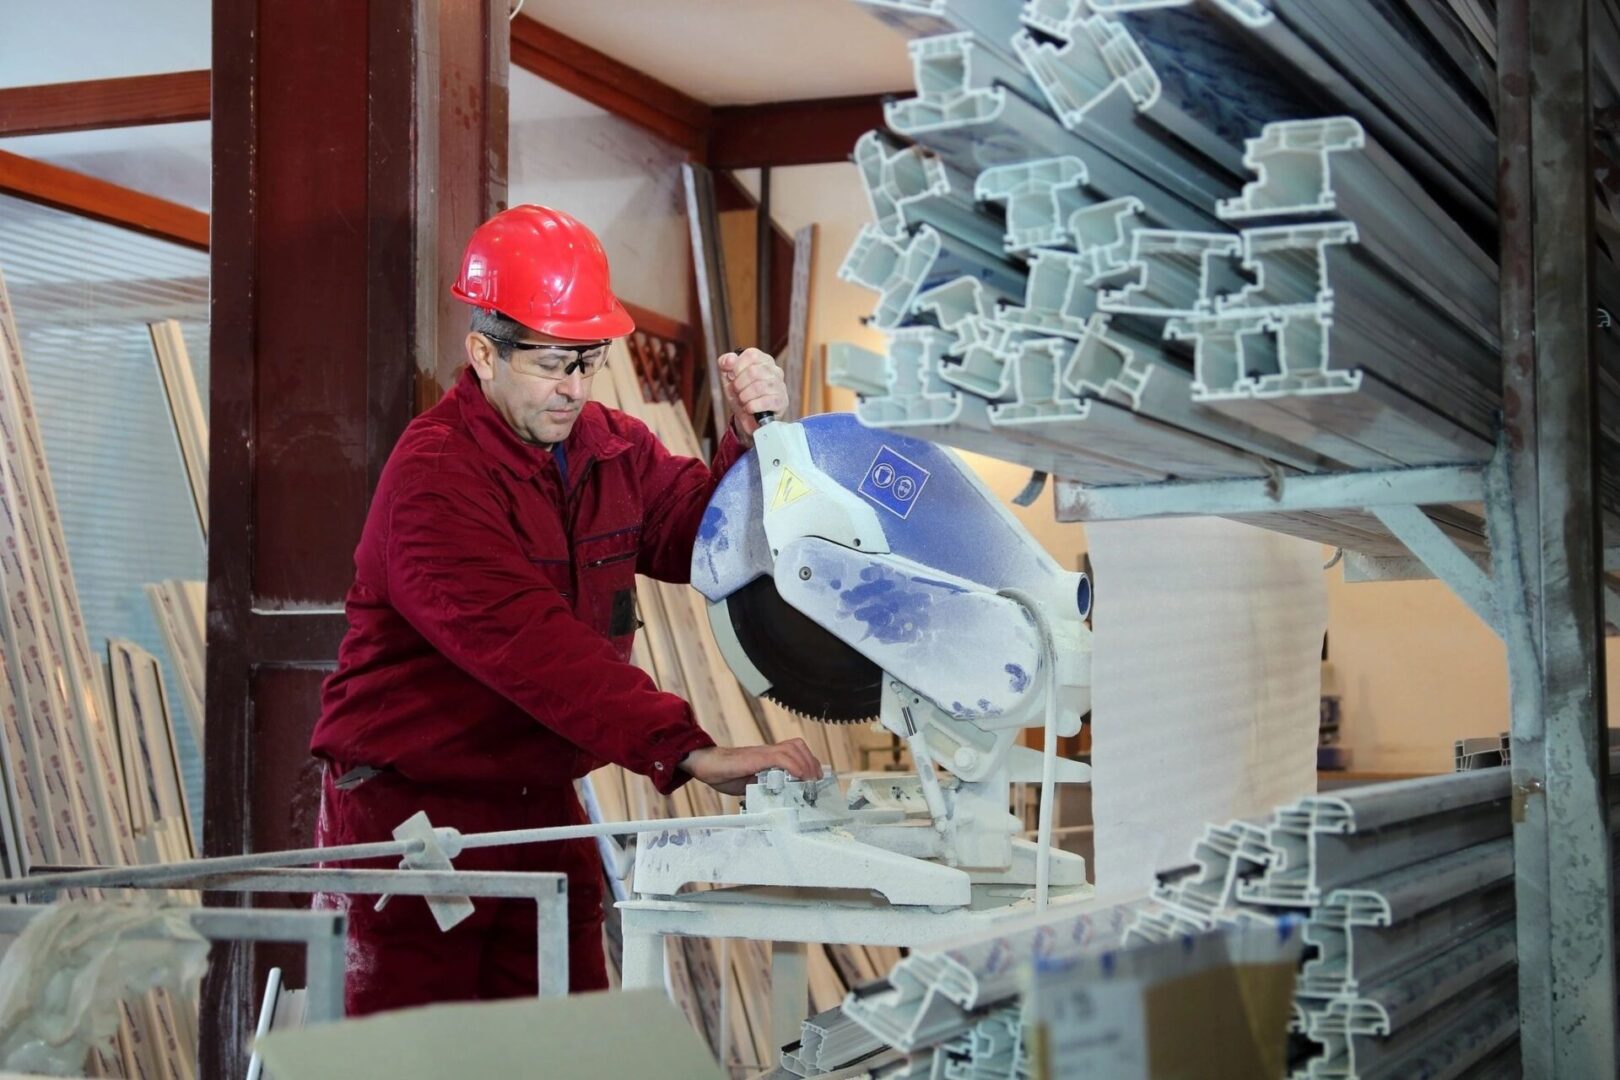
(321, 933)
(1545, 580)
(324, 932)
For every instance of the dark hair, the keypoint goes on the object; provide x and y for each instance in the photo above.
(494, 325)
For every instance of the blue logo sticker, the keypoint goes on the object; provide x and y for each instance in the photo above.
(894, 482)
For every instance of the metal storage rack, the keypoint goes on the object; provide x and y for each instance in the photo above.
(1541, 591)
(1532, 568)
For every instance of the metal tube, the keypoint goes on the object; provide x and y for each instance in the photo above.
(454, 843)
(1047, 811)
(552, 927)
(324, 964)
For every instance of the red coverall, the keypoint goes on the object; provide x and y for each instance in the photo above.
(486, 667)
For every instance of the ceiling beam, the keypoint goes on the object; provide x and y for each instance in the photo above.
(63, 189)
(791, 132)
(170, 98)
(611, 84)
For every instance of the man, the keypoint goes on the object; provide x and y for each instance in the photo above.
(486, 666)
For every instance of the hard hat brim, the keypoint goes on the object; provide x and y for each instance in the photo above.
(615, 323)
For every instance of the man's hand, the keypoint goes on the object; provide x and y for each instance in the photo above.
(730, 769)
(753, 384)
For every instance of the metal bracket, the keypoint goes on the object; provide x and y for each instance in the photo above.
(1441, 555)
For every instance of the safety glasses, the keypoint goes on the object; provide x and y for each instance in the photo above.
(548, 361)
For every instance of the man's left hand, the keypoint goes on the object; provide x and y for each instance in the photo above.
(754, 384)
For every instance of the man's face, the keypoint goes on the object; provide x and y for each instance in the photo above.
(533, 389)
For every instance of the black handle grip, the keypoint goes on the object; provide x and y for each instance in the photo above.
(763, 418)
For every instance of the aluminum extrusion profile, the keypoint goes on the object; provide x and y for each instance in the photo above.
(986, 364)
(1040, 197)
(1138, 437)
(1099, 85)
(1328, 842)
(1378, 427)
(1250, 13)
(980, 111)
(1223, 856)
(1152, 927)
(1330, 167)
(913, 393)
(1414, 953)
(1058, 296)
(953, 303)
(1195, 76)
(854, 368)
(907, 187)
(1467, 1029)
(1437, 978)
(1301, 55)
(1319, 309)
(1407, 893)
(938, 992)
(971, 430)
(1153, 383)
(1232, 351)
(1395, 64)
(1466, 52)
(994, 23)
(828, 1041)
(1098, 58)
(1051, 17)
(1102, 235)
(1353, 958)
(1178, 273)
(899, 269)
(1110, 364)
(1212, 93)
(1289, 265)
(1040, 393)
(920, 403)
(1483, 753)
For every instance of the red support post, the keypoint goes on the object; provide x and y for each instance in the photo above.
(355, 148)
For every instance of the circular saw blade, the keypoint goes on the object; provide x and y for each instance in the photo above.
(810, 671)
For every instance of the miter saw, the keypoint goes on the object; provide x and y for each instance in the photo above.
(855, 574)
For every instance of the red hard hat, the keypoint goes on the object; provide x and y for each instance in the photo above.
(545, 269)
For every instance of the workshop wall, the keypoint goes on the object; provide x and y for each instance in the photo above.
(621, 181)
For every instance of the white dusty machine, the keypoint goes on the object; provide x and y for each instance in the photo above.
(854, 574)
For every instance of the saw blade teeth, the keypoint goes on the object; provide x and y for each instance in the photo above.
(819, 719)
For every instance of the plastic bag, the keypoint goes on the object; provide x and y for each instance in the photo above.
(62, 980)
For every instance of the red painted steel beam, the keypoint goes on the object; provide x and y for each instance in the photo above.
(610, 84)
(171, 98)
(809, 132)
(64, 189)
(350, 165)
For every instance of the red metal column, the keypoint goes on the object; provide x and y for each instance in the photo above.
(355, 147)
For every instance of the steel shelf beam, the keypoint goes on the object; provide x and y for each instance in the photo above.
(1428, 486)
(1545, 532)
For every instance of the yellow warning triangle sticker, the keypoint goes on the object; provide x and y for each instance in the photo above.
(790, 489)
